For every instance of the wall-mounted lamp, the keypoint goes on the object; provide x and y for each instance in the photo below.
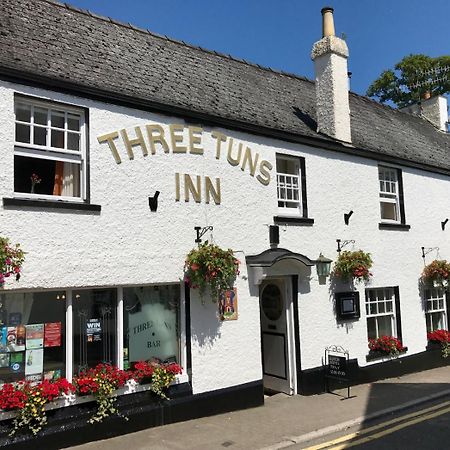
(200, 232)
(323, 266)
(342, 244)
(443, 224)
(347, 216)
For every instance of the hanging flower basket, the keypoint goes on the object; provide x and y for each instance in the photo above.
(437, 273)
(212, 267)
(353, 266)
(11, 260)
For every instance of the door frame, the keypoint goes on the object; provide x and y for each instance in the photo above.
(291, 339)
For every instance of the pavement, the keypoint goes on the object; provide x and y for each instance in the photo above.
(284, 421)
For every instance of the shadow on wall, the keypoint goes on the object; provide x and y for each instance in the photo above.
(206, 325)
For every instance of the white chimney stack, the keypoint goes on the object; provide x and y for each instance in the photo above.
(434, 109)
(330, 65)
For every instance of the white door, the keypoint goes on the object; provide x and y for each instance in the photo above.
(277, 336)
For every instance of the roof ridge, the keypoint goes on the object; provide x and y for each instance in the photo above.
(395, 110)
(132, 27)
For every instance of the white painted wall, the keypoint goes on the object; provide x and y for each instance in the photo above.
(127, 244)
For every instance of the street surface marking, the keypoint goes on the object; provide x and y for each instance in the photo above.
(419, 415)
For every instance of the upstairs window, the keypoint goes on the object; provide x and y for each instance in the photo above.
(291, 188)
(435, 309)
(49, 151)
(389, 194)
(392, 209)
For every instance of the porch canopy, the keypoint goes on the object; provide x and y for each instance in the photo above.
(276, 262)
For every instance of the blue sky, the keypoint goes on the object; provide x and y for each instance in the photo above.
(280, 33)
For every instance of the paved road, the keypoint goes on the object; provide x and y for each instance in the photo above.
(427, 428)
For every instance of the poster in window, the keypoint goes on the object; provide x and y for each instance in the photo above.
(53, 375)
(3, 339)
(15, 319)
(94, 330)
(52, 334)
(35, 336)
(34, 361)
(153, 328)
(16, 362)
(4, 359)
(228, 305)
(16, 339)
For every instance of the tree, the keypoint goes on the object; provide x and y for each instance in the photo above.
(412, 78)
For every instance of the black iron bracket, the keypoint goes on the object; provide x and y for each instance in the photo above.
(443, 224)
(347, 217)
(200, 232)
(426, 250)
(341, 244)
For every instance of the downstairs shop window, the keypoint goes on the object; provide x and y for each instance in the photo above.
(32, 336)
(94, 328)
(435, 309)
(151, 324)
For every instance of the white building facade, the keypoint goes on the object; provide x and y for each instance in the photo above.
(98, 256)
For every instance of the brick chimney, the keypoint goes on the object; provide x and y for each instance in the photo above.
(330, 65)
(433, 109)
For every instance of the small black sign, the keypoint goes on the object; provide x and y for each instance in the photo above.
(347, 305)
(337, 366)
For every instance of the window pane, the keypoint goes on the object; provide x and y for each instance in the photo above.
(381, 307)
(58, 119)
(73, 122)
(40, 115)
(94, 328)
(371, 328)
(388, 211)
(22, 133)
(23, 112)
(384, 326)
(56, 177)
(57, 139)
(373, 308)
(151, 324)
(32, 336)
(40, 136)
(73, 141)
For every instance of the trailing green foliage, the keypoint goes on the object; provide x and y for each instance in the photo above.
(353, 266)
(411, 78)
(210, 266)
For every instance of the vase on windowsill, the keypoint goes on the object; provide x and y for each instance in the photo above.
(35, 179)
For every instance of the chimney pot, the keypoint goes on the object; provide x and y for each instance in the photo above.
(327, 21)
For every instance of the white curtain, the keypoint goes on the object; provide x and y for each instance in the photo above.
(71, 180)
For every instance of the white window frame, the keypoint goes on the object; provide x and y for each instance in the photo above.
(181, 378)
(391, 191)
(379, 300)
(31, 150)
(70, 300)
(289, 183)
(433, 296)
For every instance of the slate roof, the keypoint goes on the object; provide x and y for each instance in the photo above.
(46, 40)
